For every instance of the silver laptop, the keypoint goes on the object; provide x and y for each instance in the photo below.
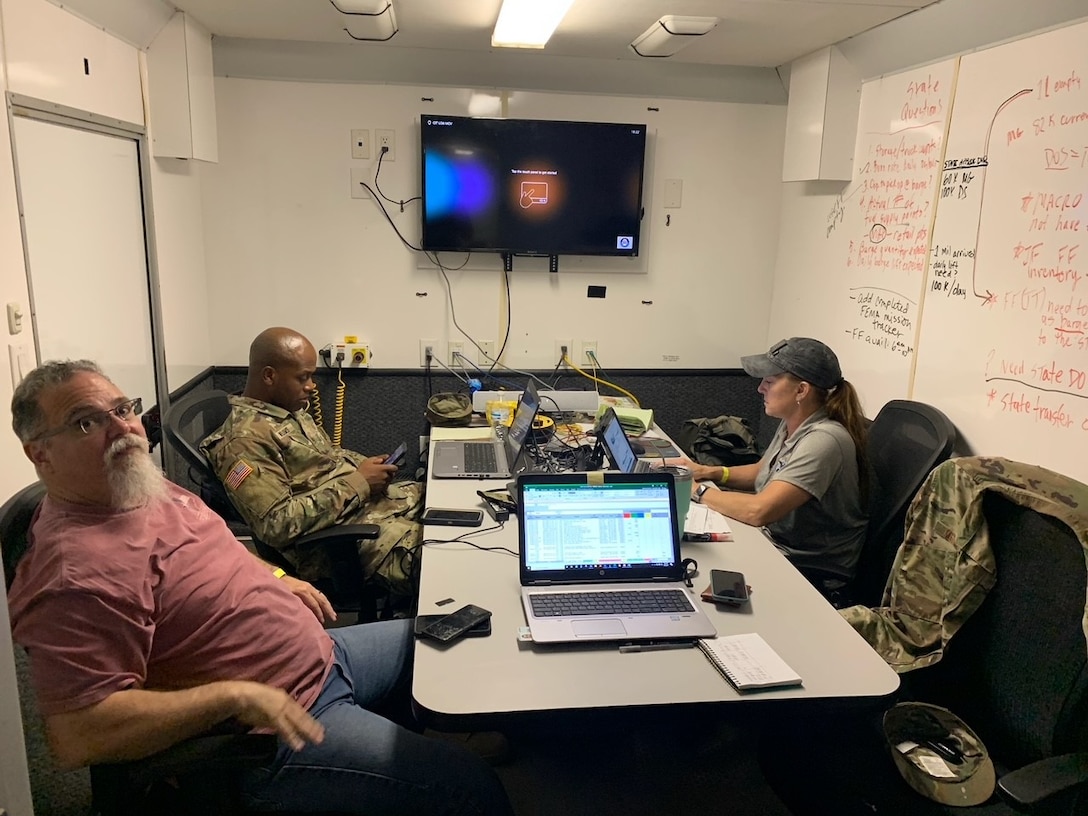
(617, 447)
(600, 559)
(496, 458)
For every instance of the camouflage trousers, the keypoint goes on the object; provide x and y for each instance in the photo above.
(393, 558)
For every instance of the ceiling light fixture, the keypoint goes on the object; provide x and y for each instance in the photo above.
(671, 33)
(528, 23)
(370, 20)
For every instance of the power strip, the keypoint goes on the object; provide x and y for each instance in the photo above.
(585, 401)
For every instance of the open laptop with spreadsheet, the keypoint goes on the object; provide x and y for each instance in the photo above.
(617, 447)
(494, 458)
(600, 559)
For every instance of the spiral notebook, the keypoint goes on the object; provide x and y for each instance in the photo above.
(748, 662)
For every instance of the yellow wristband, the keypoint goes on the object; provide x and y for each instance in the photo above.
(278, 572)
(725, 475)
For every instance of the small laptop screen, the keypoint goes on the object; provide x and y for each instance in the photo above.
(580, 526)
(522, 423)
(616, 445)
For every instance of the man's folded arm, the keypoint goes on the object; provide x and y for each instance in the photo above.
(264, 496)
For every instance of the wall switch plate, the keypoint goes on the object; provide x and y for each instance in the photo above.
(21, 360)
(15, 318)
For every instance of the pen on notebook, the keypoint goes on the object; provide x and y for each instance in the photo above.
(656, 647)
(706, 536)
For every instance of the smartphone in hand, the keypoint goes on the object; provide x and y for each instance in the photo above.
(396, 456)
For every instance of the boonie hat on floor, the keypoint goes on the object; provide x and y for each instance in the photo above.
(938, 754)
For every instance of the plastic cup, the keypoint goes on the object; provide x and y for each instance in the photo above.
(682, 480)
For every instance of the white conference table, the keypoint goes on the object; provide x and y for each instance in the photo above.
(475, 680)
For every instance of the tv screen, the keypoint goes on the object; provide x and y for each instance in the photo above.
(531, 187)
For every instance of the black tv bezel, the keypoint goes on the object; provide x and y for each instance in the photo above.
(534, 252)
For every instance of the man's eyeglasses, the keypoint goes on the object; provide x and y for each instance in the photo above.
(96, 421)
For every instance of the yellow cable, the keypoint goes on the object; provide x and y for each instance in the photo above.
(602, 382)
(338, 409)
(315, 408)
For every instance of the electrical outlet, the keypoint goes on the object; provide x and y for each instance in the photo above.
(359, 176)
(455, 348)
(386, 139)
(358, 355)
(589, 347)
(360, 144)
(487, 349)
(560, 345)
(423, 346)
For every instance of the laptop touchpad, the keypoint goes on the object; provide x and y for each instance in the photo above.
(598, 628)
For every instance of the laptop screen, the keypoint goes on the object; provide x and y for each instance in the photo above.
(521, 424)
(616, 445)
(620, 528)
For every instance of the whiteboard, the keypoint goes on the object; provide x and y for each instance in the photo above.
(1004, 329)
(852, 261)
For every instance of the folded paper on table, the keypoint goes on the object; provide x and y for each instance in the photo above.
(701, 520)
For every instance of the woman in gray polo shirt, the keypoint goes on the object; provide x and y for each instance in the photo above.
(809, 491)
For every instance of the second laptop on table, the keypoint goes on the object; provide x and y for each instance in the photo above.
(499, 457)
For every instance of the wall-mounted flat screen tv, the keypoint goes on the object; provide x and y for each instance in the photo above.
(531, 187)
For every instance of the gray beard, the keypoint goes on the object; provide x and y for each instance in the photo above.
(133, 479)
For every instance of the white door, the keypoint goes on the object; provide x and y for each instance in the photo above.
(84, 230)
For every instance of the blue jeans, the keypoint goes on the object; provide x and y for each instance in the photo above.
(368, 764)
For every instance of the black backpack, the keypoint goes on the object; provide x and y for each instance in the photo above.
(723, 440)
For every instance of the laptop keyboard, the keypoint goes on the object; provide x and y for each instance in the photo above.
(622, 602)
(480, 458)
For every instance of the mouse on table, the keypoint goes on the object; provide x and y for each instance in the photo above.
(638, 448)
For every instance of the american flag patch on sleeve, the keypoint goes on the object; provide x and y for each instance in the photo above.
(237, 474)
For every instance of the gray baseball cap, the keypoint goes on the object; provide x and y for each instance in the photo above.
(803, 357)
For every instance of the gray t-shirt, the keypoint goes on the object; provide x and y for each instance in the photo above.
(827, 531)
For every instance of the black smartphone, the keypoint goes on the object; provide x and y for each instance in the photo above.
(727, 586)
(452, 518)
(481, 629)
(452, 626)
(398, 454)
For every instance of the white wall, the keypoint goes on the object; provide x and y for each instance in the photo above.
(183, 283)
(285, 240)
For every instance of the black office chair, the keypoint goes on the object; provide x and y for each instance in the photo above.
(196, 776)
(906, 441)
(1016, 673)
(187, 422)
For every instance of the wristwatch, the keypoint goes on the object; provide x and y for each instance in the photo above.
(697, 497)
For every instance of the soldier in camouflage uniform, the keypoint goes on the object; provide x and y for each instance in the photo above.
(287, 479)
(945, 566)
